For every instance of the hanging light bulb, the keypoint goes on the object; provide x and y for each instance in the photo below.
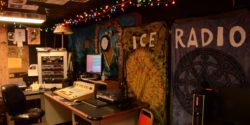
(173, 2)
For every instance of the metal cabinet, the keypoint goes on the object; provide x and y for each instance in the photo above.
(52, 68)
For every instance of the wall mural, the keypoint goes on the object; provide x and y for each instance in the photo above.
(209, 52)
(109, 36)
(145, 58)
(101, 38)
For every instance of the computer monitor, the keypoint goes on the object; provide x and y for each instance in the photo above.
(94, 64)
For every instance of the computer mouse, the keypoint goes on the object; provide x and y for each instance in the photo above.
(77, 101)
(53, 89)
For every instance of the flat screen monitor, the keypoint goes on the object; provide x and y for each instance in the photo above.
(94, 64)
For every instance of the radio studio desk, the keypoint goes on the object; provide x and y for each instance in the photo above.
(59, 110)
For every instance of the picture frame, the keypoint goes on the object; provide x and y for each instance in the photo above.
(33, 36)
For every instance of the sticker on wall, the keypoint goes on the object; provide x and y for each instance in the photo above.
(33, 36)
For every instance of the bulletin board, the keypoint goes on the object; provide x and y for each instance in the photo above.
(14, 60)
(19, 55)
(18, 61)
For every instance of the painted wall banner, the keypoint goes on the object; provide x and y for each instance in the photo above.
(112, 31)
(209, 52)
(145, 54)
(91, 40)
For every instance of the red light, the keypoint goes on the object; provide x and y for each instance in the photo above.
(196, 100)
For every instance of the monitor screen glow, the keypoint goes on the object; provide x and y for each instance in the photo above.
(94, 64)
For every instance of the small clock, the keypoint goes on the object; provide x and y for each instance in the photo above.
(105, 41)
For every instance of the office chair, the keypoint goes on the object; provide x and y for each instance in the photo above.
(146, 117)
(15, 103)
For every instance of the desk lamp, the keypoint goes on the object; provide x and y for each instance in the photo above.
(63, 29)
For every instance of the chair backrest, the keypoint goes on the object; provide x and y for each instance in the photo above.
(145, 117)
(13, 98)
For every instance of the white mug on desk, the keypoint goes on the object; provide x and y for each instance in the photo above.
(35, 86)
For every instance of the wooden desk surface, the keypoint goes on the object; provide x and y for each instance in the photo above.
(28, 92)
(92, 113)
(67, 104)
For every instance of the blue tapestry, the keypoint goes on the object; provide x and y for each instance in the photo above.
(87, 40)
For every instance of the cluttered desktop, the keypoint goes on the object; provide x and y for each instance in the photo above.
(91, 105)
(90, 98)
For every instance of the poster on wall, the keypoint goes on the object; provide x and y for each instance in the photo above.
(144, 58)
(108, 36)
(33, 36)
(20, 37)
(207, 53)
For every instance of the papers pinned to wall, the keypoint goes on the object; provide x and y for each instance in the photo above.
(19, 37)
(14, 63)
(33, 71)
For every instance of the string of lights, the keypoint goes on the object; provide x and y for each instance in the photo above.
(106, 11)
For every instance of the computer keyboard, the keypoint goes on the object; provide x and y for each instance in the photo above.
(93, 78)
(94, 81)
(94, 102)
